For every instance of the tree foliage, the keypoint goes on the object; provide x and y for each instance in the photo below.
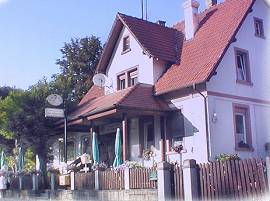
(22, 116)
(77, 67)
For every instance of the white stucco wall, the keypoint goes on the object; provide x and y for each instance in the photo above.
(195, 141)
(222, 132)
(259, 51)
(149, 69)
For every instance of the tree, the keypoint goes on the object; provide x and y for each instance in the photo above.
(4, 91)
(77, 67)
(22, 118)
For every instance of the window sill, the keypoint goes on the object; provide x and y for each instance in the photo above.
(126, 51)
(247, 149)
(247, 83)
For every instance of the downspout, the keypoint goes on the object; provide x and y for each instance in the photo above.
(206, 121)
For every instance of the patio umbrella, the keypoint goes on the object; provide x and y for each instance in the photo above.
(95, 150)
(20, 160)
(3, 161)
(118, 149)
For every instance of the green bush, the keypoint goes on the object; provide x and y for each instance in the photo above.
(226, 157)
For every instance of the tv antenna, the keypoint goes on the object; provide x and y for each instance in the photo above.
(144, 7)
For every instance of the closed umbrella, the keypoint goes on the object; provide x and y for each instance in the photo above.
(37, 163)
(95, 150)
(20, 162)
(3, 161)
(118, 149)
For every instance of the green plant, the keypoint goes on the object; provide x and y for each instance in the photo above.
(147, 153)
(226, 157)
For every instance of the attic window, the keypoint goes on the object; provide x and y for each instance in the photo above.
(126, 44)
(259, 30)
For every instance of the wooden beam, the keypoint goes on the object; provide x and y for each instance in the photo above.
(125, 137)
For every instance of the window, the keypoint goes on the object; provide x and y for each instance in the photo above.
(242, 66)
(259, 30)
(128, 78)
(133, 77)
(121, 81)
(70, 150)
(126, 44)
(242, 127)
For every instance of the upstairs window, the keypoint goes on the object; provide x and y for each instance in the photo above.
(242, 127)
(133, 77)
(259, 30)
(242, 66)
(121, 81)
(126, 44)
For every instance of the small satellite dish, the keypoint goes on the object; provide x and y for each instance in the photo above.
(54, 99)
(99, 79)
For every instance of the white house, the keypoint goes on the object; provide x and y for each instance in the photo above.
(203, 83)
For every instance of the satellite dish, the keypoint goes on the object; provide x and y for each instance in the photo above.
(54, 99)
(99, 79)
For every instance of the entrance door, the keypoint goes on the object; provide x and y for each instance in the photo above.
(149, 135)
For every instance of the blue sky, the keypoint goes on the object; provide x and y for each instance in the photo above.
(33, 31)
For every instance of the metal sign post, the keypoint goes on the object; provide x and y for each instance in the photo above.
(56, 100)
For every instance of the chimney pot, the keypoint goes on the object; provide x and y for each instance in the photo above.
(210, 3)
(161, 23)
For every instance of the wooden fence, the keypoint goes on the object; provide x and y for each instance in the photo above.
(26, 182)
(112, 180)
(85, 181)
(139, 178)
(178, 182)
(236, 179)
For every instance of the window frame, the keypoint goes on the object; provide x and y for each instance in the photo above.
(125, 75)
(262, 34)
(124, 48)
(245, 111)
(247, 81)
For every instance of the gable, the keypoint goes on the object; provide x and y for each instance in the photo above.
(258, 57)
(201, 55)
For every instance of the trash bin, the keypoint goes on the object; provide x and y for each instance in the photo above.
(3, 184)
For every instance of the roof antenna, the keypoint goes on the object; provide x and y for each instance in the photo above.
(142, 9)
(146, 10)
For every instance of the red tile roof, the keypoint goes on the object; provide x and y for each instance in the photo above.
(201, 55)
(139, 97)
(159, 41)
(93, 93)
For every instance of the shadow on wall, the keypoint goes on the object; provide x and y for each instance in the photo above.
(179, 126)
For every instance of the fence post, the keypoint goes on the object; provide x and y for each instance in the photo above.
(164, 181)
(97, 186)
(20, 181)
(190, 175)
(72, 181)
(34, 182)
(126, 178)
(53, 178)
(268, 171)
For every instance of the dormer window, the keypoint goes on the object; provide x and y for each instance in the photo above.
(242, 66)
(259, 30)
(126, 44)
(121, 81)
(133, 77)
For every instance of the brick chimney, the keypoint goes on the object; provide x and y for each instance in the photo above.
(191, 9)
(210, 3)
